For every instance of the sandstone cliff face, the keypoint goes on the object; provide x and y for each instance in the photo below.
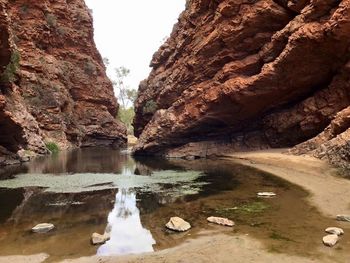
(53, 82)
(242, 74)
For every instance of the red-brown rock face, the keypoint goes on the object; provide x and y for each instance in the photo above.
(53, 83)
(246, 75)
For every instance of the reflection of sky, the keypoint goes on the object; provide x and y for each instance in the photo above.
(128, 236)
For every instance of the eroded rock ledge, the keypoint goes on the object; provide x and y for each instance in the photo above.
(53, 82)
(237, 75)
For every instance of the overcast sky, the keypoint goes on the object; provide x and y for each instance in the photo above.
(128, 32)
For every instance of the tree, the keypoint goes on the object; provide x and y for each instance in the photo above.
(126, 97)
(131, 95)
(121, 74)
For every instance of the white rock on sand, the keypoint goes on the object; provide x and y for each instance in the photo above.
(335, 231)
(221, 221)
(178, 224)
(330, 240)
(345, 218)
(266, 194)
(43, 228)
(97, 239)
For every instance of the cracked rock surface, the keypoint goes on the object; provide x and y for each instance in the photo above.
(239, 75)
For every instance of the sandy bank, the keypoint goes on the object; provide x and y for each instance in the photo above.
(329, 193)
(217, 248)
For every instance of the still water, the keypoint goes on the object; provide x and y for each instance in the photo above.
(98, 190)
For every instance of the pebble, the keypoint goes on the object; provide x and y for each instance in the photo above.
(43, 228)
(221, 221)
(178, 224)
(335, 231)
(97, 239)
(345, 218)
(266, 194)
(330, 240)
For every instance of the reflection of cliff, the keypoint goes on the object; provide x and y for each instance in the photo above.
(128, 236)
(38, 206)
(94, 160)
(75, 216)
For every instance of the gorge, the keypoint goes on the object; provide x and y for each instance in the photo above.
(54, 86)
(247, 75)
(243, 134)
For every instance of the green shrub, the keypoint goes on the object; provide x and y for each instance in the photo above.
(90, 68)
(62, 31)
(52, 147)
(126, 116)
(24, 9)
(9, 74)
(150, 107)
(51, 20)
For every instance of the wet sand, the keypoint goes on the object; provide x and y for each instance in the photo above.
(208, 249)
(329, 193)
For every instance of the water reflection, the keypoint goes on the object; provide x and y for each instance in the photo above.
(128, 236)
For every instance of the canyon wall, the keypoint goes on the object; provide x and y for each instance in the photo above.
(250, 74)
(53, 84)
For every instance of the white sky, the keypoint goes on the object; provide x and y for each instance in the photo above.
(128, 32)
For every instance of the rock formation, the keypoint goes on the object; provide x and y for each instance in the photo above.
(53, 85)
(250, 74)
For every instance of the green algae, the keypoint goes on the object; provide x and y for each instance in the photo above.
(186, 182)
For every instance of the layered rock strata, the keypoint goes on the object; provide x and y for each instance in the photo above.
(238, 75)
(53, 82)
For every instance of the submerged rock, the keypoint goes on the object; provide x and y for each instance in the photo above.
(178, 224)
(43, 228)
(266, 194)
(221, 221)
(344, 218)
(335, 231)
(330, 240)
(97, 239)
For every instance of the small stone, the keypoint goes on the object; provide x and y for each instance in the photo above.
(178, 224)
(266, 194)
(345, 218)
(97, 239)
(335, 231)
(43, 228)
(221, 221)
(330, 240)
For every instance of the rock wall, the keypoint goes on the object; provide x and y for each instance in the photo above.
(247, 74)
(53, 84)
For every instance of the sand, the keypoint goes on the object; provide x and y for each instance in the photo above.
(328, 192)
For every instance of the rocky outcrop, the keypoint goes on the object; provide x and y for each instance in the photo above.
(53, 82)
(246, 75)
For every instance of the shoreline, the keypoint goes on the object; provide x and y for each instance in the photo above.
(327, 192)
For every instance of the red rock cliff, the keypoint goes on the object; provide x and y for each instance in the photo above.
(53, 82)
(239, 74)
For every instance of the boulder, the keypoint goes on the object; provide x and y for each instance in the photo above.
(221, 221)
(178, 224)
(330, 240)
(335, 231)
(43, 228)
